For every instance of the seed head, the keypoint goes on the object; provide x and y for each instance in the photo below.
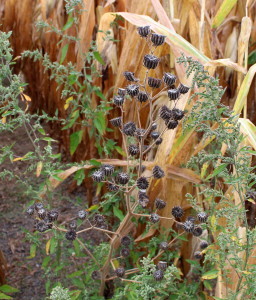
(82, 214)
(169, 79)
(120, 272)
(119, 100)
(159, 141)
(122, 178)
(157, 39)
(125, 240)
(177, 114)
(139, 133)
(202, 216)
(41, 213)
(197, 231)
(142, 97)
(142, 183)
(72, 225)
(163, 246)
(165, 113)
(39, 205)
(158, 172)
(116, 122)
(130, 76)
(198, 255)
(125, 252)
(53, 215)
(203, 245)
(112, 187)
(188, 226)
(155, 135)
(154, 82)
(160, 204)
(171, 124)
(107, 169)
(95, 275)
(70, 235)
(99, 219)
(162, 265)
(158, 275)
(154, 218)
(177, 212)
(133, 149)
(121, 92)
(30, 210)
(41, 226)
(144, 31)
(129, 128)
(153, 126)
(150, 61)
(98, 176)
(183, 89)
(173, 94)
(191, 219)
(132, 90)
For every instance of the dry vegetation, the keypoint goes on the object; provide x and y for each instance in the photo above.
(221, 34)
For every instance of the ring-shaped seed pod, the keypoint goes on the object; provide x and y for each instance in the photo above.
(188, 226)
(160, 204)
(99, 219)
(139, 133)
(162, 265)
(155, 135)
(144, 31)
(107, 169)
(125, 240)
(154, 82)
(153, 126)
(98, 176)
(177, 114)
(177, 212)
(133, 149)
(159, 141)
(120, 272)
(30, 210)
(72, 225)
(70, 235)
(41, 226)
(202, 216)
(118, 100)
(158, 172)
(169, 79)
(158, 275)
(125, 252)
(112, 187)
(39, 205)
(154, 218)
(122, 178)
(197, 231)
(82, 214)
(129, 128)
(203, 245)
(183, 89)
(132, 90)
(53, 215)
(171, 124)
(143, 200)
(41, 213)
(121, 92)
(116, 122)
(142, 183)
(164, 246)
(173, 94)
(157, 39)
(142, 97)
(165, 113)
(150, 61)
(130, 76)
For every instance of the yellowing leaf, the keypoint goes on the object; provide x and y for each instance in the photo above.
(93, 207)
(47, 247)
(3, 120)
(19, 158)
(213, 223)
(26, 97)
(67, 103)
(210, 274)
(39, 168)
(222, 12)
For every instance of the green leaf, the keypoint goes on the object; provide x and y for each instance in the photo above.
(100, 122)
(79, 176)
(48, 139)
(75, 274)
(77, 282)
(69, 23)
(8, 289)
(222, 12)
(75, 140)
(252, 58)
(64, 52)
(32, 251)
(208, 285)
(118, 213)
(193, 262)
(210, 274)
(53, 245)
(95, 163)
(217, 171)
(3, 296)
(98, 57)
(120, 151)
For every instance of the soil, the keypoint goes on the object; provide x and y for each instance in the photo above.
(21, 272)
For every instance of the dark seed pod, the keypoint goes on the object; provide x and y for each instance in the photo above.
(183, 89)
(82, 214)
(142, 183)
(154, 82)
(143, 199)
(48, 223)
(203, 245)
(165, 113)
(98, 176)
(119, 100)
(41, 213)
(188, 226)
(157, 39)
(197, 231)
(120, 272)
(116, 122)
(177, 114)
(122, 178)
(130, 76)
(129, 128)
(95, 275)
(41, 226)
(72, 225)
(30, 210)
(191, 219)
(160, 204)
(125, 252)
(177, 212)
(159, 141)
(144, 31)
(158, 275)
(164, 246)
(155, 135)
(173, 94)
(112, 187)
(202, 216)
(70, 235)
(142, 97)
(107, 169)
(39, 205)
(153, 126)
(53, 215)
(198, 255)
(121, 92)
(139, 133)
(158, 172)
(133, 150)
(169, 79)
(99, 219)
(150, 61)
(171, 124)
(102, 226)
(132, 90)
(125, 240)
(154, 218)
(162, 265)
